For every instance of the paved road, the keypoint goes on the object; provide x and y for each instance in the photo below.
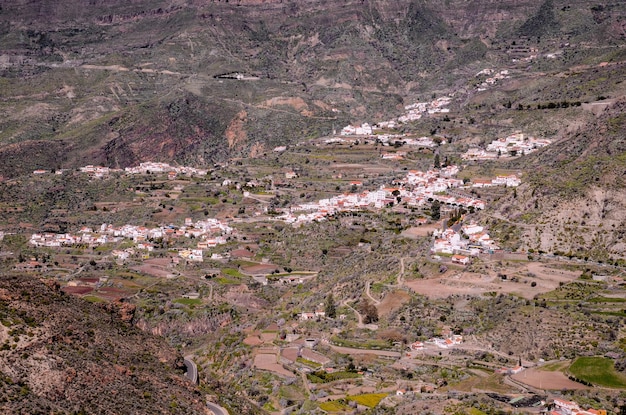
(192, 369)
(216, 409)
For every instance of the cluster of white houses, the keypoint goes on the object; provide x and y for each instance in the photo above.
(512, 146)
(564, 407)
(153, 167)
(444, 342)
(208, 232)
(144, 168)
(469, 241)
(508, 181)
(416, 189)
(391, 139)
(492, 79)
(412, 112)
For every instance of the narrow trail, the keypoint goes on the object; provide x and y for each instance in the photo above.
(369, 295)
(401, 274)
(358, 315)
(305, 381)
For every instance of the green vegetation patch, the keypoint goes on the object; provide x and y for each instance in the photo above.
(598, 371)
(360, 343)
(369, 399)
(322, 377)
(574, 291)
(607, 300)
(188, 301)
(555, 366)
(333, 406)
(308, 363)
(93, 299)
(231, 272)
(492, 382)
(611, 313)
(226, 281)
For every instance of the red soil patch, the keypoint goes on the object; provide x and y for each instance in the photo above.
(268, 362)
(112, 293)
(421, 230)
(253, 341)
(458, 281)
(77, 290)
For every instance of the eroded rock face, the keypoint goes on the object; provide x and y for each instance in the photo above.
(122, 310)
(236, 133)
(66, 354)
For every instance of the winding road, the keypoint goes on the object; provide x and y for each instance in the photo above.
(216, 409)
(192, 370)
(192, 375)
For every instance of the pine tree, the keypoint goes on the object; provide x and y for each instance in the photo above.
(435, 210)
(329, 308)
(437, 164)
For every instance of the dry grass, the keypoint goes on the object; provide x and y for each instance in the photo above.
(393, 301)
(491, 383)
(463, 282)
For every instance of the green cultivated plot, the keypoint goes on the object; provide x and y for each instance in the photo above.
(599, 371)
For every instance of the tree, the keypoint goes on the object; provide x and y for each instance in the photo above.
(329, 308)
(437, 163)
(435, 210)
(369, 311)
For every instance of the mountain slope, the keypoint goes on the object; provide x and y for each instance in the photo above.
(574, 199)
(120, 82)
(61, 354)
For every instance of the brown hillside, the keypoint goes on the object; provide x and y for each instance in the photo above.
(60, 354)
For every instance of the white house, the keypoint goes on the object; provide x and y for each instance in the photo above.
(460, 259)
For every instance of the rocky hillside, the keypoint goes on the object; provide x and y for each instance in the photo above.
(120, 82)
(574, 202)
(60, 354)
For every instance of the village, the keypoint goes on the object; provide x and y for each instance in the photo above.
(100, 172)
(416, 189)
(514, 145)
(413, 112)
(209, 233)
